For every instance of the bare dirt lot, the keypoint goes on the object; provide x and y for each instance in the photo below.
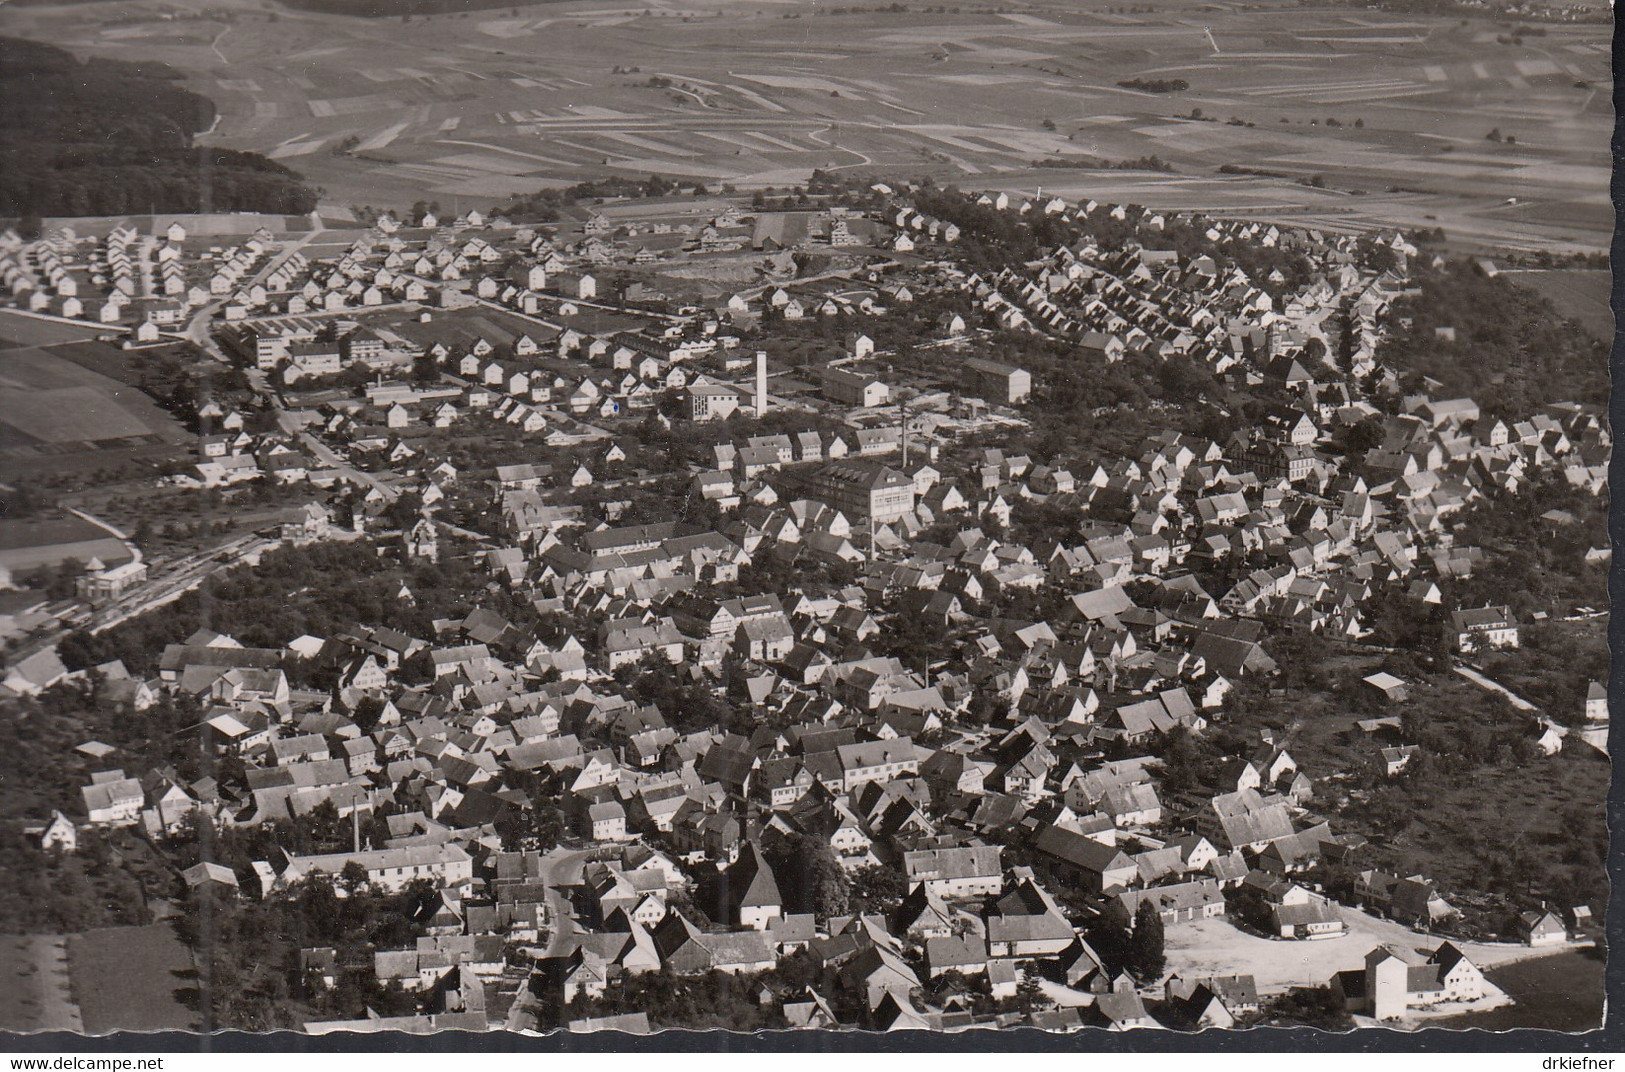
(1216, 947)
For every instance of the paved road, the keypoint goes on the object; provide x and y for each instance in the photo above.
(833, 273)
(560, 868)
(326, 456)
(41, 998)
(1494, 686)
(261, 385)
(197, 328)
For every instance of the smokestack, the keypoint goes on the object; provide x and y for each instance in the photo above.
(902, 417)
(761, 383)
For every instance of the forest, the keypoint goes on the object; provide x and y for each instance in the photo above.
(108, 137)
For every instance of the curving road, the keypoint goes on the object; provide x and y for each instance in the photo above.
(197, 327)
(561, 867)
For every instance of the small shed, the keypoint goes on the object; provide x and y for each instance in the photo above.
(1391, 688)
(209, 874)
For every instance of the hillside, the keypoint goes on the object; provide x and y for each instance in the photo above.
(108, 137)
(381, 9)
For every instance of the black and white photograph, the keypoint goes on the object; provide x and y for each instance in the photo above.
(1053, 517)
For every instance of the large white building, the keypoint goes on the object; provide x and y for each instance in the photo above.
(390, 869)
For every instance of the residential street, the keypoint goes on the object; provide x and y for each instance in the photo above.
(1494, 686)
(560, 868)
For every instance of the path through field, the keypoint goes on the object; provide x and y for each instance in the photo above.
(36, 968)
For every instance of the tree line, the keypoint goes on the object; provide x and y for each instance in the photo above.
(109, 137)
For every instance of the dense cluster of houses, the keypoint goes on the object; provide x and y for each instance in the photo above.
(462, 721)
(978, 773)
(142, 284)
(1135, 299)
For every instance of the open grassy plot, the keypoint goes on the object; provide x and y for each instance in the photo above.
(67, 415)
(463, 327)
(1391, 109)
(57, 400)
(59, 413)
(132, 979)
(34, 543)
(1557, 993)
(58, 416)
(1579, 294)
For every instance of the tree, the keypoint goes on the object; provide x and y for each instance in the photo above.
(1182, 764)
(1030, 996)
(811, 877)
(353, 878)
(826, 880)
(539, 828)
(877, 888)
(1319, 1006)
(1146, 953)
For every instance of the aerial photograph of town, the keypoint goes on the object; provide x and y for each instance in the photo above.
(550, 516)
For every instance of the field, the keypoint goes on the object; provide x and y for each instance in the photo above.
(56, 415)
(1579, 294)
(1559, 993)
(31, 544)
(1393, 110)
(132, 979)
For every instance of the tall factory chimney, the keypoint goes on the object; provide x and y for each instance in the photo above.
(761, 383)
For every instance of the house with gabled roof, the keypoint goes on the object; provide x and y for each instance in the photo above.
(748, 893)
(1026, 921)
(1090, 864)
(965, 871)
